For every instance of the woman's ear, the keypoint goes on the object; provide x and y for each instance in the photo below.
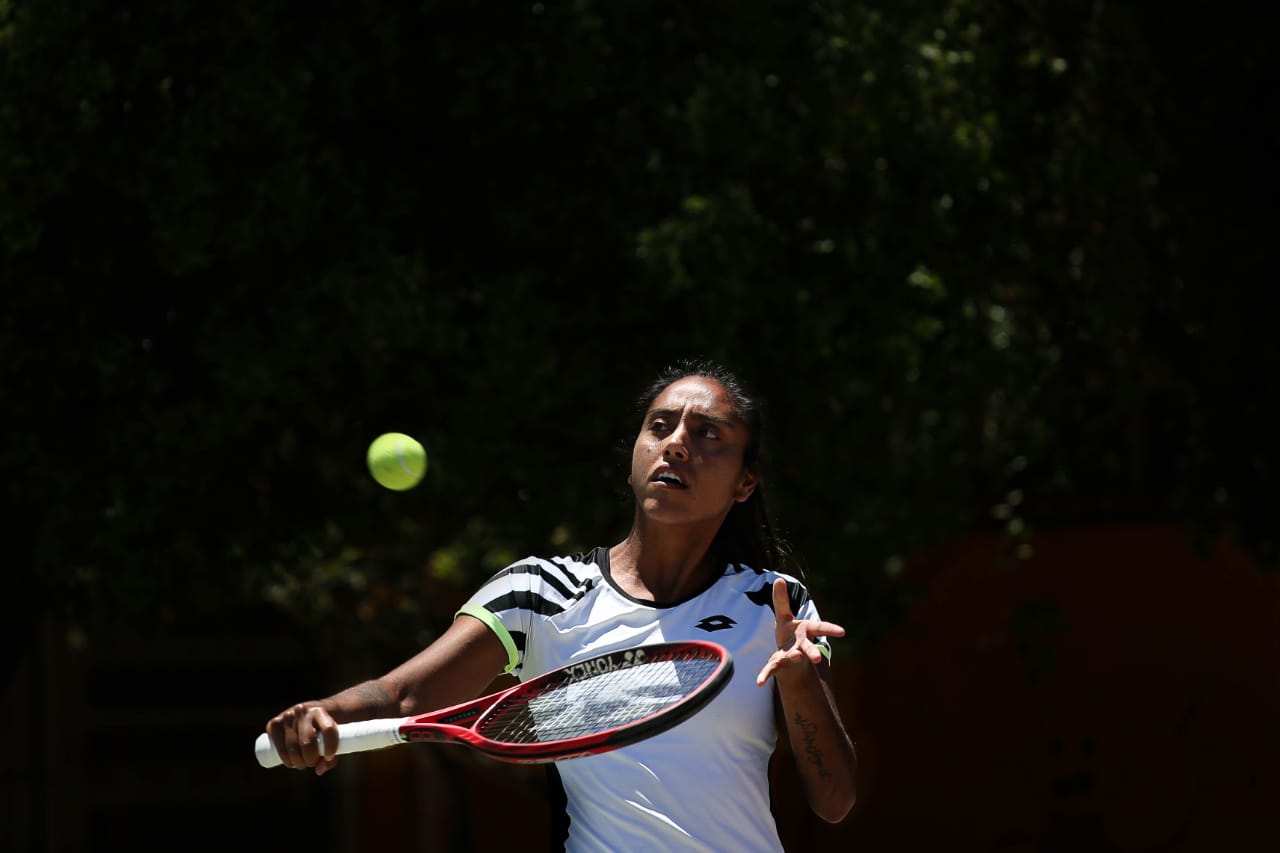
(747, 485)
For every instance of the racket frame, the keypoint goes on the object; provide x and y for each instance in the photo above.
(460, 723)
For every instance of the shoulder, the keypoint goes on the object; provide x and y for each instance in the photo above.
(564, 576)
(758, 584)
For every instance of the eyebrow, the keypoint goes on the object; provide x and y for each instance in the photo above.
(719, 421)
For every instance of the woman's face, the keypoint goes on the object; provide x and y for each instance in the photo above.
(686, 465)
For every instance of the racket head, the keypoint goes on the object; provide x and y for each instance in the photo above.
(604, 702)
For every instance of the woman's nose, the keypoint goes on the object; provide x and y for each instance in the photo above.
(675, 445)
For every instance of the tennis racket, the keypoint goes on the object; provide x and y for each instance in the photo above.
(588, 707)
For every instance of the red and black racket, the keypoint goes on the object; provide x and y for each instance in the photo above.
(587, 707)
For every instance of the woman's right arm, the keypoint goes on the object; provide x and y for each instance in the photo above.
(457, 666)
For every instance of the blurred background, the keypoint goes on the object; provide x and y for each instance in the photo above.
(998, 268)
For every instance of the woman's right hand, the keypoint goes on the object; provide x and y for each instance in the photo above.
(300, 735)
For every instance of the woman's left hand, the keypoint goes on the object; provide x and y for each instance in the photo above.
(796, 638)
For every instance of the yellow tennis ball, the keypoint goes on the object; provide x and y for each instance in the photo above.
(397, 461)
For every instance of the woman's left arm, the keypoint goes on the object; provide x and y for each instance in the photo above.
(810, 721)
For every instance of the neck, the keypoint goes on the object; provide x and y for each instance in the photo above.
(666, 567)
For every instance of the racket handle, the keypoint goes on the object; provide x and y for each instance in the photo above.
(352, 737)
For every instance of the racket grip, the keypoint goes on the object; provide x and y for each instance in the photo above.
(352, 737)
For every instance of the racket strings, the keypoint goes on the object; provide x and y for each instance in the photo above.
(598, 702)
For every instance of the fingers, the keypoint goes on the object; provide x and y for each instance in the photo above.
(782, 614)
(806, 655)
(817, 628)
(765, 672)
(771, 666)
(781, 601)
(796, 638)
(303, 736)
(804, 645)
(326, 736)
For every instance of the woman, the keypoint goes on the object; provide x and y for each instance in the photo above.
(700, 562)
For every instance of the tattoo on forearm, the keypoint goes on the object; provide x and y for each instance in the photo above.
(809, 744)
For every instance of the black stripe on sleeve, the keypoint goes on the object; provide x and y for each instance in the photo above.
(523, 600)
(538, 570)
(796, 593)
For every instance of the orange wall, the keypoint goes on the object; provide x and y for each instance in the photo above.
(1140, 712)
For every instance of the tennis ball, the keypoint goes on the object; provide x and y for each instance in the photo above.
(397, 461)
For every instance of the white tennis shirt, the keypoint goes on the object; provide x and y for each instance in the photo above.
(703, 785)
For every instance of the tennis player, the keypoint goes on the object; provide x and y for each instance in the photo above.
(701, 562)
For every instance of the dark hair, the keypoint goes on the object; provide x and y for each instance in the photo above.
(748, 535)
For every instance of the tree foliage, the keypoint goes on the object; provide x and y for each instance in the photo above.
(958, 244)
